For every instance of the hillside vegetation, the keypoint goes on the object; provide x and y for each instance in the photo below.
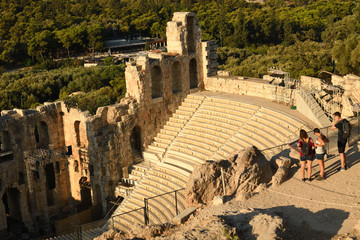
(302, 37)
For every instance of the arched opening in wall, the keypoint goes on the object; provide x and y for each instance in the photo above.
(193, 74)
(98, 197)
(5, 147)
(77, 132)
(43, 135)
(176, 77)
(11, 201)
(135, 140)
(50, 183)
(76, 166)
(190, 24)
(5, 142)
(156, 82)
(36, 134)
(85, 192)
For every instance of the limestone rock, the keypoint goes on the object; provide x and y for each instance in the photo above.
(243, 172)
(282, 171)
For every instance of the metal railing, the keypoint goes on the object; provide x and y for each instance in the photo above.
(146, 204)
(332, 135)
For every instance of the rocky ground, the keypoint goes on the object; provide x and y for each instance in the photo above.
(327, 209)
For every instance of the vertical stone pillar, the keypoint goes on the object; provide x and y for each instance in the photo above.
(44, 216)
(25, 214)
(30, 184)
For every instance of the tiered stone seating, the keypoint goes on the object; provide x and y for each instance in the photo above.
(161, 142)
(203, 128)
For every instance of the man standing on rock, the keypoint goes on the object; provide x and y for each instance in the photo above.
(342, 137)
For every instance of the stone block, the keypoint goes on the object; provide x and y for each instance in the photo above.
(218, 200)
(184, 215)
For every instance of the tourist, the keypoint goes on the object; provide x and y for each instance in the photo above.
(320, 152)
(306, 144)
(341, 124)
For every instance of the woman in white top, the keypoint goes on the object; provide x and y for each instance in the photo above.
(320, 152)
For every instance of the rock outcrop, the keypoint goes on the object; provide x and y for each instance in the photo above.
(244, 173)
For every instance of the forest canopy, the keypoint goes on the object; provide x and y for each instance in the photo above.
(302, 37)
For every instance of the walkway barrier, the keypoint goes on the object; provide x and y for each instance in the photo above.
(146, 203)
(332, 135)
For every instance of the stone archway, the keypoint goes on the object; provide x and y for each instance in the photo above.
(193, 74)
(191, 43)
(12, 205)
(157, 89)
(135, 140)
(176, 77)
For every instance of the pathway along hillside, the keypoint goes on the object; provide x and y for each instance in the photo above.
(312, 210)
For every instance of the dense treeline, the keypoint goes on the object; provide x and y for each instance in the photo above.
(95, 87)
(302, 37)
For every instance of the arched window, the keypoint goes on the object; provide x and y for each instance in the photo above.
(191, 34)
(193, 74)
(43, 135)
(176, 77)
(135, 139)
(5, 142)
(77, 132)
(76, 166)
(156, 82)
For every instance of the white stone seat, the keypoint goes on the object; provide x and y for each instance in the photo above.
(283, 115)
(268, 138)
(176, 119)
(235, 114)
(180, 162)
(118, 224)
(157, 210)
(170, 182)
(187, 152)
(221, 118)
(169, 176)
(156, 148)
(174, 170)
(165, 136)
(159, 144)
(203, 146)
(172, 128)
(224, 116)
(188, 108)
(268, 129)
(276, 126)
(162, 140)
(205, 132)
(210, 126)
(278, 120)
(205, 140)
(168, 132)
(262, 139)
(231, 106)
(184, 112)
(190, 105)
(181, 116)
(219, 123)
(234, 103)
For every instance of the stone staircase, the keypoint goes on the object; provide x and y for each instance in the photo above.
(202, 128)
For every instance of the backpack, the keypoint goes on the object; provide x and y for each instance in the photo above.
(346, 129)
(306, 148)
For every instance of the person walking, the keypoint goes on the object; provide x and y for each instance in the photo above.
(306, 144)
(320, 152)
(344, 128)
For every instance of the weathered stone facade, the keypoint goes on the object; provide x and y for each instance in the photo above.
(56, 161)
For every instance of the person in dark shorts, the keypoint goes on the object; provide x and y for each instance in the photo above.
(341, 143)
(320, 152)
(306, 144)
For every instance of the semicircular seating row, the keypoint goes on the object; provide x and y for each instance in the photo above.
(202, 128)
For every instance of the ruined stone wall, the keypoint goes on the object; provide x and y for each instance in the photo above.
(81, 149)
(29, 131)
(251, 87)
